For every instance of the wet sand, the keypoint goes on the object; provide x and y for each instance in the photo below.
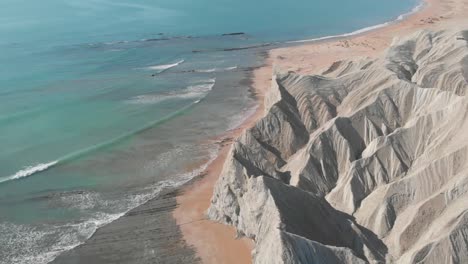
(218, 242)
(146, 234)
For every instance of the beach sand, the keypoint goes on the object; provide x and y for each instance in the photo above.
(216, 243)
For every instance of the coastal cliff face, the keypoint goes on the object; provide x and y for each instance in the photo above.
(366, 163)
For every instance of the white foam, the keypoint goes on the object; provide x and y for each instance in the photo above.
(231, 68)
(18, 244)
(200, 88)
(207, 70)
(164, 67)
(217, 69)
(23, 244)
(146, 99)
(196, 91)
(83, 200)
(30, 170)
(363, 30)
(237, 120)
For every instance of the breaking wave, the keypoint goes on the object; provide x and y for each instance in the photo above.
(197, 91)
(164, 67)
(217, 70)
(20, 242)
(30, 170)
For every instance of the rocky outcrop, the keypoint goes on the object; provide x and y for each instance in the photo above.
(366, 163)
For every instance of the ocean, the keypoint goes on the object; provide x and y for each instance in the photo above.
(105, 103)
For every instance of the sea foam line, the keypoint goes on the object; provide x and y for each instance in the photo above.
(196, 91)
(164, 67)
(32, 170)
(23, 240)
(217, 69)
(95, 223)
(366, 29)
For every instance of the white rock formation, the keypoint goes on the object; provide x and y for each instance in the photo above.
(367, 163)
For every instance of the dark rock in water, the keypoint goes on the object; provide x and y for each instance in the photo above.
(248, 47)
(157, 39)
(234, 34)
(237, 48)
(146, 234)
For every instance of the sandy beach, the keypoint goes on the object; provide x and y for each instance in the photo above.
(204, 235)
(217, 243)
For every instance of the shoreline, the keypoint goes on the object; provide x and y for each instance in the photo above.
(195, 198)
(402, 17)
(217, 243)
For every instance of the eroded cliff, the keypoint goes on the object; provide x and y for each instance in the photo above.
(365, 163)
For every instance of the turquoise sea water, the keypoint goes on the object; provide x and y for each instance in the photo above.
(103, 103)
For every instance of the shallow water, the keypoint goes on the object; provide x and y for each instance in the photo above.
(103, 103)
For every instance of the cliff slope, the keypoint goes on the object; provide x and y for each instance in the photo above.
(365, 163)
